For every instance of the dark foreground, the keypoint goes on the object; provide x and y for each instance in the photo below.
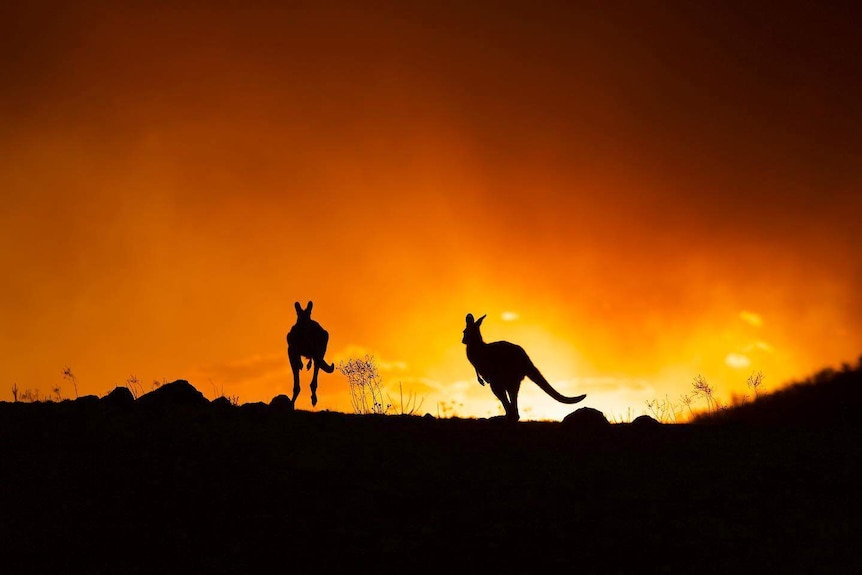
(233, 490)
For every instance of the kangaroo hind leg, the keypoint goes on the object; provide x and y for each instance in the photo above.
(499, 390)
(314, 385)
(324, 341)
(296, 367)
(513, 414)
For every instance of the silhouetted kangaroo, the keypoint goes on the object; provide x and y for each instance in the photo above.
(504, 365)
(307, 339)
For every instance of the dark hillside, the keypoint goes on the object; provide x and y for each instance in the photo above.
(829, 398)
(177, 485)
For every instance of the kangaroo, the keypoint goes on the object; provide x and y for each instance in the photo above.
(504, 365)
(307, 339)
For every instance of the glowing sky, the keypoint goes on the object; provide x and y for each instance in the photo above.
(637, 196)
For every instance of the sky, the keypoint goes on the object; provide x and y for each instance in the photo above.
(636, 194)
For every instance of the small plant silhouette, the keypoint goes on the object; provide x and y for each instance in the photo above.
(686, 400)
(662, 410)
(218, 391)
(15, 392)
(366, 385)
(134, 385)
(410, 407)
(622, 417)
(666, 411)
(704, 390)
(69, 376)
(755, 382)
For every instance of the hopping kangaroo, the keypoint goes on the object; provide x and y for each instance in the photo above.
(307, 339)
(504, 365)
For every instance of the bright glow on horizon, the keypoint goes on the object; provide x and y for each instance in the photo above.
(403, 175)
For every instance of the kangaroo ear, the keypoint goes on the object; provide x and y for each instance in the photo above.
(309, 306)
(298, 307)
(469, 319)
(479, 321)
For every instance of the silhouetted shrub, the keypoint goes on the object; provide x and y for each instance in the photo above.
(663, 410)
(366, 385)
(70, 377)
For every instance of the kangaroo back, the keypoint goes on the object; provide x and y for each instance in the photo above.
(502, 358)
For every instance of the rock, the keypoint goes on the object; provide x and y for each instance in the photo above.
(119, 397)
(176, 393)
(645, 422)
(281, 404)
(221, 403)
(255, 409)
(87, 400)
(587, 419)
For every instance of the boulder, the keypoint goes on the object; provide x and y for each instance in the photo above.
(119, 397)
(281, 404)
(174, 394)
(87, 400)
(587, 419)
(221, 403)
(645, 422)
(255, 409)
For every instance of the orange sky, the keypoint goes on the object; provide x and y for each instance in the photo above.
(636, 196)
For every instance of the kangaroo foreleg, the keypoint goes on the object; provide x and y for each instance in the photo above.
(479, 378)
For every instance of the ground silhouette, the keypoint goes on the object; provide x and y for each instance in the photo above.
(828, 398)
(504, 366)
(168, 483)
(309, 340)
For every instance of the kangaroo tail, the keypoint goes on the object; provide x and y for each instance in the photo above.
(326, 367)
(543, 384)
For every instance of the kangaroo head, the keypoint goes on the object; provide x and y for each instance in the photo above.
(303, 314)
(471, 332)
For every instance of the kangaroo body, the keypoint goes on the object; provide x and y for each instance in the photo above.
(307, 339)
(504, 365)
